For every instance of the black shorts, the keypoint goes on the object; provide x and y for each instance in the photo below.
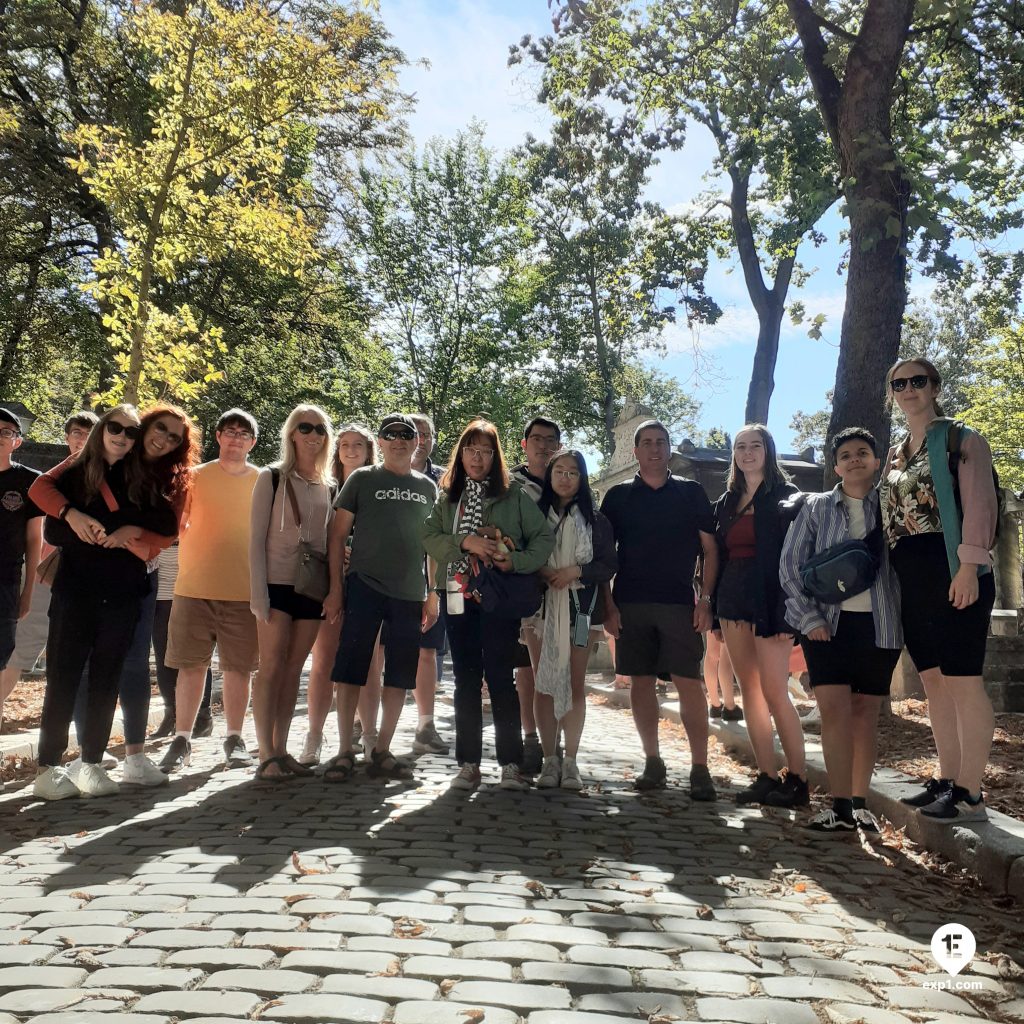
(938, 635)
(851, 658)
(10, 600)
(298, 606)
(658, 638)
(435, 638)
(366, 611)
(734, 595)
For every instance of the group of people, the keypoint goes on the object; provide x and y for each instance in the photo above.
(353, 547)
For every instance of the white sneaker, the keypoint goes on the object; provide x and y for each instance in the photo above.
(369, 742)
(54, 784)
(74, 768)
(311, 749)
(511, 778)
(549, 774)
(94, 781)
(138, 770)
(468, 777)
(571, 778)
(108, 760)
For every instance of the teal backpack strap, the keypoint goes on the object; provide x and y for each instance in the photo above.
(938, 459)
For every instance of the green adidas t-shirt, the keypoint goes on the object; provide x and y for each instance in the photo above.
(387, 548)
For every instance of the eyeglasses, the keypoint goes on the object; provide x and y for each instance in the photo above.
(78, 433)
(311, 428)
(918, 382)
(237, 435)
(8, 432)
(115, 428)
(161, 428)
(398, 435)
(566, 474)
(483, 453)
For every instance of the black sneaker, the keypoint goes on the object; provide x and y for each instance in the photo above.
(715, 712)
(701, 786)
(829, 821)
(203, 726)
(178, 755)
(654, 775)
(533, 754)
(933, 789)
(794, 792)
(732, 714)
(166, 726)
(757, 792)
(955, 806)
(235, 754)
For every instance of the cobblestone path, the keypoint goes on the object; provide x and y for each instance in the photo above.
(216, 900)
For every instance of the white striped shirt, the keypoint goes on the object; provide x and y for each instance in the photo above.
(822, 523)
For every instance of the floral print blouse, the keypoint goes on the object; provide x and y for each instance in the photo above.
(909, 505)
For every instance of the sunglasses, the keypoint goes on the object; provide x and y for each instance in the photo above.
(398, 435)
(311, 428)
(115, 428)
(918, 382)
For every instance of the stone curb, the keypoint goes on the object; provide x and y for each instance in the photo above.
(993, 851)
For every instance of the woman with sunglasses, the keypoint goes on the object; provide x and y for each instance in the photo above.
(158, 466)
(751, 526)
(355, 447)
(107, 524)
(291, 511)
(939, 512)
(583, 558)
(475, 494)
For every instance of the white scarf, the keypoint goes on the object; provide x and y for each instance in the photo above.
(574, 545)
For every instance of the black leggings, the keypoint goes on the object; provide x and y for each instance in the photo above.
(484, 645)
(83, 632)
(167, 678)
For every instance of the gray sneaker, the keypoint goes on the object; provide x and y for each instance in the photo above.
(427, 741)
(235, 754)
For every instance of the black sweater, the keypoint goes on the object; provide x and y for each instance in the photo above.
(92, 572)
(770, 525)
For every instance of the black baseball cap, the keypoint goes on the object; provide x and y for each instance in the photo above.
(8, 417)
(396, 419)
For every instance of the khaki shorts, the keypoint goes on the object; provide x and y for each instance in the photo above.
(657, 639)
(196, 625)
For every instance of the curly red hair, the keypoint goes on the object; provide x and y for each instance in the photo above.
(169, 476)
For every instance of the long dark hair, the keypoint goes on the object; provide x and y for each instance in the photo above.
(584, 499)
(454, 479)
(774, 474)
(91, 460)
(169, 476)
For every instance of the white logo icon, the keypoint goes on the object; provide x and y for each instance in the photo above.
(953, 947)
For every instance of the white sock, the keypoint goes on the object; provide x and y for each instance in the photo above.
(135, 758)
(233, 732)
(425, 720)
(185, 733)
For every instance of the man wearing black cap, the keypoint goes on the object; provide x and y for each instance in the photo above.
(385, 506)
(20, 535)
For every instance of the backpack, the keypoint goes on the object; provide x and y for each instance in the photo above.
(954, 438)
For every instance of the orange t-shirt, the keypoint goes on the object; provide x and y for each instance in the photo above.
(213, 552)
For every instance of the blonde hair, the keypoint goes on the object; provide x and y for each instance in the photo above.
(323, 459)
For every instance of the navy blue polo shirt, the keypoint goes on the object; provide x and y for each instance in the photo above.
(657, 534)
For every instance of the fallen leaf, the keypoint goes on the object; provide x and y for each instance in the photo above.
(800, 887)
(447, 985)
(408, 928)
(86, 896)
(473, 1016)
(705, 913)
(302, 868)
(537, 889)
(297, 897)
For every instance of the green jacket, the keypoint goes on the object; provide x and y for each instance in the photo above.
(515, 514)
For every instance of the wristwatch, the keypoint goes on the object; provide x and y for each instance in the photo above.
(705, 597)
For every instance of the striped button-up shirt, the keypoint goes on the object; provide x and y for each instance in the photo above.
(822, 523)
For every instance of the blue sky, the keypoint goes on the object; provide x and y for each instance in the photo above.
(467, 47)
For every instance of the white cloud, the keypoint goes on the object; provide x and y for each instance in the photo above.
(468, 77)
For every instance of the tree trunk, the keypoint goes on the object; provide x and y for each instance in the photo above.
(604, 367)
(857, 114)
(23, 310)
